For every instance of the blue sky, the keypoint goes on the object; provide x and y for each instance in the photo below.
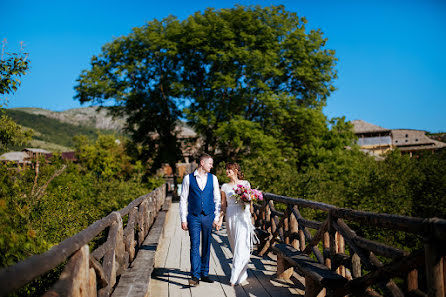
(391, 69)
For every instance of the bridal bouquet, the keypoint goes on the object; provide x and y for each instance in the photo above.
(246, 195)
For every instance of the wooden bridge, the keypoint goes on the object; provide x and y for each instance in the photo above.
(144, 252)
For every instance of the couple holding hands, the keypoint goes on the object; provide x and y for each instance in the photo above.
(202, 206)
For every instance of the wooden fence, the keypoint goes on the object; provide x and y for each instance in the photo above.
(91, 273)
(358, 259)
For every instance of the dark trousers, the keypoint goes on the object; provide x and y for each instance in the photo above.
(201, 224)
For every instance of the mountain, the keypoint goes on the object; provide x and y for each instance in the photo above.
(85, 116)
(54, 131)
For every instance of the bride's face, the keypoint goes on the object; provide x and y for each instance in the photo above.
(230, 173)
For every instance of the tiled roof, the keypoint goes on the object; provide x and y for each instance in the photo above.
(407, 139)
(36, 150)
(360, 126)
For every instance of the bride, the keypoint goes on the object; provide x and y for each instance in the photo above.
(238, 224)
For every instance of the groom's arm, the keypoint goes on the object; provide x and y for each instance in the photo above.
(217, 200)
(183, 202)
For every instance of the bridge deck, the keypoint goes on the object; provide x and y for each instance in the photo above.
(172, 265)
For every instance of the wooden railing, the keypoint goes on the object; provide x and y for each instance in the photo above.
(358, 259)
(91, 273)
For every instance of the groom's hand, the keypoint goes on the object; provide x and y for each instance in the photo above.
(217, 225)
(184, 226)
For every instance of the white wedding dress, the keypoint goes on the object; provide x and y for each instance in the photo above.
(240, 233)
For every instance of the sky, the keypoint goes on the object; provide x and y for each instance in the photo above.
(391, 68)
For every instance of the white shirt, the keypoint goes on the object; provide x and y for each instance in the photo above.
(201, 181)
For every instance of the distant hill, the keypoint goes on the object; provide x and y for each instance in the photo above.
(438, 136)
(85, 116)
(54, 131)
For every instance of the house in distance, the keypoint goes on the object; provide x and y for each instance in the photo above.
(377, 140)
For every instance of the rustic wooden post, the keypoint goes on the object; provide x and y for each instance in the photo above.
(152, 211)
(301, 237)
(312, 288)
(294, 229)
(412, 280)
(122, 256)
(141, 222)
(263, 213)
(92, 287)
(356, 266)
(332, 234)
(327, 249)
(113, 258)
(340, 248)
(273, 218)
(300, 231)
(284, 269)
(268, 217)
(129, 233)
(75, 278)
(434, 273)
(286, 226)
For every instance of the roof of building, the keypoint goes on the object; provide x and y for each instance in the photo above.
(408, 139)
(360, 126)
(15, 157)
(36, 150)
(404, 139)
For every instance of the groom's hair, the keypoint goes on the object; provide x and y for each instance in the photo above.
(203, 157)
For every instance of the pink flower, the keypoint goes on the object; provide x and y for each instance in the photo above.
(246, 195)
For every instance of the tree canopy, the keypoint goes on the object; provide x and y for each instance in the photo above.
(214, 68)
(12, 67)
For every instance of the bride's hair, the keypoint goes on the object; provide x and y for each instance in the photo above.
(236, 168)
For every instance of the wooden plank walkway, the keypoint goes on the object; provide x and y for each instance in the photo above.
(172, 265)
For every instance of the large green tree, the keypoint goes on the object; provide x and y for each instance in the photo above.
(138, 72)
(240, 61)
(220, 65)
(12, 67)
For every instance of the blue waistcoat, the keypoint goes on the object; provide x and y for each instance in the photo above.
(199, 200)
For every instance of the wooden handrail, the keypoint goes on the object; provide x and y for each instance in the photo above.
(117, 251)
(436, 227)
(336, 235)
(23, 272)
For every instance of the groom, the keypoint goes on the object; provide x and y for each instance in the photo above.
(200, 202)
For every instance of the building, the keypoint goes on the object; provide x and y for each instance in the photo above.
(377, 140)
(21, 159)
(25, 157)
(35, 153)
(414, 141)
(371, 138)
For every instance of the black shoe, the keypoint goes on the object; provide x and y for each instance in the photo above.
(193, 281)
(206, 279)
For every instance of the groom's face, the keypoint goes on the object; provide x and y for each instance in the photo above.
(207, 164)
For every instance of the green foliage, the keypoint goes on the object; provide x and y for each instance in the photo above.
(107, 157)
(33, 219)
(429, 185)
(300, 153)
(244, 56)
(12, 68)
(138, 71)
(11, 133)
(220, 64)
